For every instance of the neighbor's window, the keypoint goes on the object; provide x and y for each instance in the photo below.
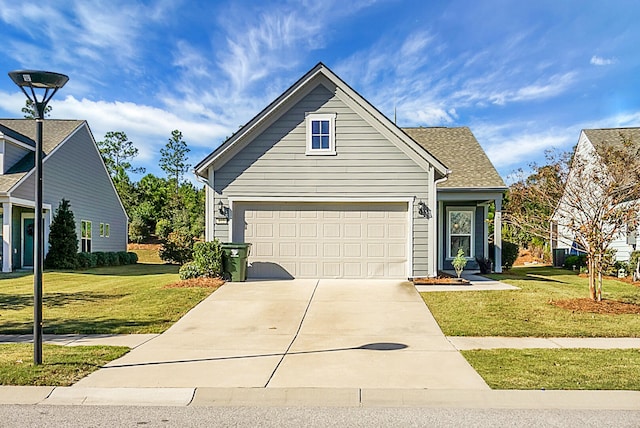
(86, 236)
(321, 134)
(101, 230)
(106, 230)
(460, 232)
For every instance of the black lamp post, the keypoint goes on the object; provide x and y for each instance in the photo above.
(47, 83)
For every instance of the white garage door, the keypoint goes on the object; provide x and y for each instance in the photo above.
(321, 240)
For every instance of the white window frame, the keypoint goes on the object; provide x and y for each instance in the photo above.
(331, 117)
(83, 247)
(102, 230)
(472, 211)
(106, 230)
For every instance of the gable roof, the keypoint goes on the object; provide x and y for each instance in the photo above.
(303, 85)
(460, 151)
(600, 137)
(54, 133)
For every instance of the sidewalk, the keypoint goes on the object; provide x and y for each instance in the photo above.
(130, 340)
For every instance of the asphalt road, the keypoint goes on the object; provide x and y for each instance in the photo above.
(113, 416)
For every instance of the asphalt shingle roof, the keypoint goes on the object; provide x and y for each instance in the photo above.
(54, 132)
(459, 150)
(599, 137)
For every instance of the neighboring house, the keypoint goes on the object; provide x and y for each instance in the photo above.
(325, 186)
(72, 169)
(590, 143)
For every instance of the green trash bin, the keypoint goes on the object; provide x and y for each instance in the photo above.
(235, 256)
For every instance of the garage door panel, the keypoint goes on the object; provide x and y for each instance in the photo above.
(288, 249)
(376, 230)
(308, 249)
(353, 230)
(352, 250)
(331, 250)
(308, 230)
(324, 239)
(264, 230)
(397, 251)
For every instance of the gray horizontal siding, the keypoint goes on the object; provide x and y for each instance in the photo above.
(12, 154)
(75, 172)
(274, 164)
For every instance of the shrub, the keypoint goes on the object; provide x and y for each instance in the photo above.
(177, 248)
(63, 240)
(459, 262)
(509, 254)
(85, 260)
(207, 256)
(577, 261)
(111, 259)
(101, 258)
(484, 264)
(133, 258)
(189, 270)
(123, 258)
(620, 265)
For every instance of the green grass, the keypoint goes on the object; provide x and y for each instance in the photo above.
(528, 312)
(62, 365)
(148, 256)
(122, 299)
(595, 369)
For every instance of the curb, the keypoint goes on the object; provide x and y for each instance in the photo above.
(322, 397)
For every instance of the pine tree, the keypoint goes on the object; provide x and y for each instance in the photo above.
(63, 240)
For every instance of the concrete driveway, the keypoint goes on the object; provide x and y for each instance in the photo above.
(299, 333)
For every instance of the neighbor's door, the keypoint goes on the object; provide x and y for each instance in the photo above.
(28, 231)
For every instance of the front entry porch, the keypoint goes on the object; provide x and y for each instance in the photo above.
(17, 233)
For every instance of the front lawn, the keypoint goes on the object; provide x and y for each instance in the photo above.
(529, 311)
(558, 368)
(62, 365)
(119, 299)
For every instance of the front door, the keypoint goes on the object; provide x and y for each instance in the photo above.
(28, 231)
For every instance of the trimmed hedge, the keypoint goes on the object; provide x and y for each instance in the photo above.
(101, 258)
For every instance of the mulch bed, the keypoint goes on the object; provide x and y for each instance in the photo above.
(441, 280)
(610, 307)
(197, 282)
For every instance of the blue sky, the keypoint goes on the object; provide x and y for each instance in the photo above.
(525, 76)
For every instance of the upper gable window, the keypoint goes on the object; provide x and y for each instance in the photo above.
(321, 138)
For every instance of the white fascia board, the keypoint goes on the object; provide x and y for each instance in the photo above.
(27, 203)
(320, 199)
(469, 196)
(261, 120)
(16, 142)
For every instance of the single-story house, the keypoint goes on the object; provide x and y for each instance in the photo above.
(323, 185)
(72, 169)
(591, 144)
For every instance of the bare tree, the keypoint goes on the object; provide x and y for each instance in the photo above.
(593, 199)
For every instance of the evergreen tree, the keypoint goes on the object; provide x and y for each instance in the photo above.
(173, 158)
(116, 150)
(63, 240)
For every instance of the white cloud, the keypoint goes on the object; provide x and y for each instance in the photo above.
(598, 60)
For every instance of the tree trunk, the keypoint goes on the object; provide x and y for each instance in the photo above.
(592, 277)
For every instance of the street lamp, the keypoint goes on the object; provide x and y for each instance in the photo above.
(47, 84)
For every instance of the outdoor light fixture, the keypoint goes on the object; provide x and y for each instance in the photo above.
(223, 214)
(47, 84)
(423, 210)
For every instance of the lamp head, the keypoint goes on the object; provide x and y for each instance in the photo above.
(38, 79)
